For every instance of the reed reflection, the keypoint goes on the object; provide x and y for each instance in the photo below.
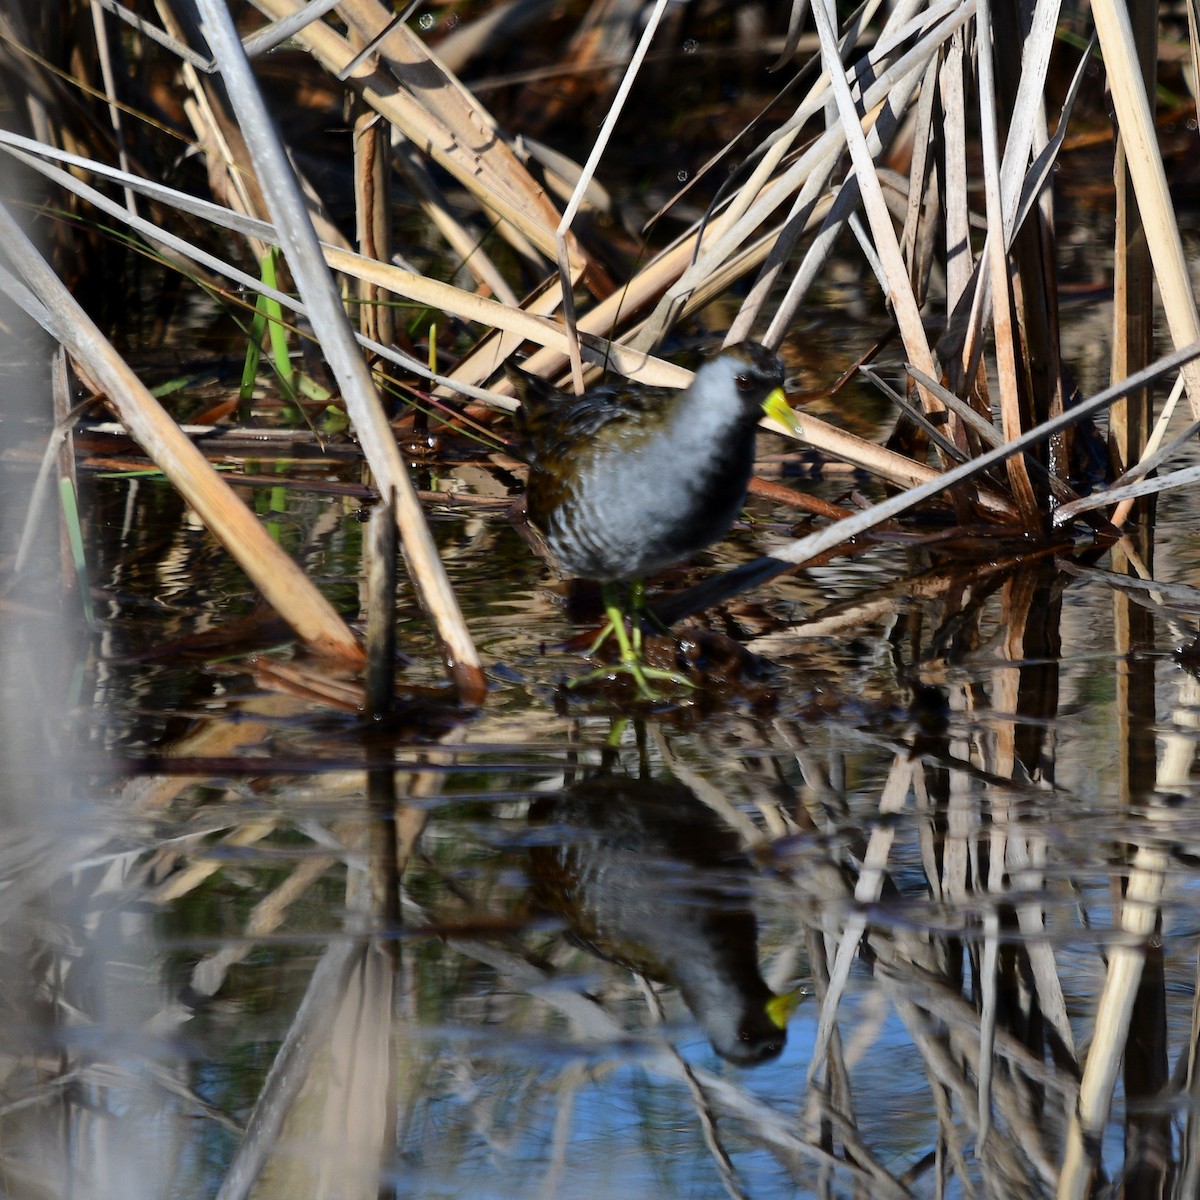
(647, 876)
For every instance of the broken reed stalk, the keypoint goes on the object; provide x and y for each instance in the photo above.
(373, 219)
(1136, 122)
(1133, 279)
(333, 330)
(279, 579)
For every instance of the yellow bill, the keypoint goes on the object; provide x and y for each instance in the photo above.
(780, 1008)
(777, 408)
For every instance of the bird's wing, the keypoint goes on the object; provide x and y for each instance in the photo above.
(552, 424)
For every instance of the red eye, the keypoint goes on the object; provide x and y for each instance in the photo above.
(744, 383)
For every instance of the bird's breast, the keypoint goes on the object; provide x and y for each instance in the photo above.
(628, 512)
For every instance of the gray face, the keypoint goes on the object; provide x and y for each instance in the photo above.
(758, 372)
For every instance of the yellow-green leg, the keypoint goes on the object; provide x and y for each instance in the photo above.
(629, 642)
(637, 606)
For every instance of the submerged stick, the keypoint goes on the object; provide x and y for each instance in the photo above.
(382, 549)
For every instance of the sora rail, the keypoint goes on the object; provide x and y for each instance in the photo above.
(627, 480)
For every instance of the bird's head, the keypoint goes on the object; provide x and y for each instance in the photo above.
(749, 1033)
(755, 376)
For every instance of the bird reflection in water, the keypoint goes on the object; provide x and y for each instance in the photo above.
(647, 876)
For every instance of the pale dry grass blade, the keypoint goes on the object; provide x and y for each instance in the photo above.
(989, 996)
(706, 1119)
(1193, 19)
(351, 1122)
(291, 1069)
(494, 349)
(204, 866)
(100, 29)
(280, 31)
(573, 1077)
(209, 974)
(958, 256)
(1133, 279)
(226, 161)
(900, 293)
(1126, 493)
(1168, 601)
(1027, 106)
(562, 248)
(382, 568)
(844, 206)
(997, 268)
(920, 221)
(962, 343)
(58, 445)
(983, 429)
(279, 579)
(795, 29)
(811, 204)
(465, 243)
(912, 410)
(1155, 452)
(750, 837)
(1041, 385)
(562, 174)
(867, 889)
(1189, 1151)
(833, 535)
(421, 289)
(342, 353)
(154, 34)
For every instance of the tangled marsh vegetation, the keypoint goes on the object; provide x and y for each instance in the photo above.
(378, 210)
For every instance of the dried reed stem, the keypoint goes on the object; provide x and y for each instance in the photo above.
(341, 351)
